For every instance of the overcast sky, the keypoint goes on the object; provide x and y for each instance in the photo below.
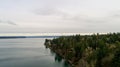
(59, 16)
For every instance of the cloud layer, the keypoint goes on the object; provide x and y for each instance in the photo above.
(8, 22)
(60, 16)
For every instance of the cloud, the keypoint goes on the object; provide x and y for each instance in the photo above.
(82, 21)
(67, 16)
(108, 18)
(8, 22)
(49, 12)
(115, 14)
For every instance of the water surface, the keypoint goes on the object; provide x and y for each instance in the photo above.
(28, 52)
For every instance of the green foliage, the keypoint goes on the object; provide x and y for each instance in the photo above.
(96, 50)
(116, 59)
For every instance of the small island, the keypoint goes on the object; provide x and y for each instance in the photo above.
(97, 50)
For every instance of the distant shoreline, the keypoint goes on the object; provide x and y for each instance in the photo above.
(11, 37)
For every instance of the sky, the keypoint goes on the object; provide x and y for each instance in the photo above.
(59, 16)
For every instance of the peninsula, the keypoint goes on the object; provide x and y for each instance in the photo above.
(97, 50)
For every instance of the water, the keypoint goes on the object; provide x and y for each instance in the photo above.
(28, 52)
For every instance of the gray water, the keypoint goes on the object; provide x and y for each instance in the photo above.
(28, 52)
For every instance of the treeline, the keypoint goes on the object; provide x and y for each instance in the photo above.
(88, 50)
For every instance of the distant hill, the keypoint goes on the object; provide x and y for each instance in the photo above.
(6, 37)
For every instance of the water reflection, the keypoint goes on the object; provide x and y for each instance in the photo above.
(66, 64)
(52, 52)
(59, 59)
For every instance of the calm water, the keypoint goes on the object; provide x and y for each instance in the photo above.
(28, 52)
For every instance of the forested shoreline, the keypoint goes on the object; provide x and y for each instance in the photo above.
(97, 50)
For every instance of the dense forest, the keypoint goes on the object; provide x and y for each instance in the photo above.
(97, 50)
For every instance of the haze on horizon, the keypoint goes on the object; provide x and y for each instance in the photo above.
(19, 16)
